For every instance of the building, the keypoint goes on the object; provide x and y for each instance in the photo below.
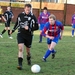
(9, 0)
(63, 9)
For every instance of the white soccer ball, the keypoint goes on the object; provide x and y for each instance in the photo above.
(35, 68)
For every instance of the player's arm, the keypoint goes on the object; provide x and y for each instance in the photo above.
(61, 33)
(43, 33)
(35, 25)
(15, 27)
(72, 21)
(12, 14)
(39, 18)
(3, 16)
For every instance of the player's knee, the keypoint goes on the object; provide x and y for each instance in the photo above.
(8, 28)
(20, 49)
(51, 48)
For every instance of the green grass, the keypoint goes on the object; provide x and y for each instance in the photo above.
(63, 64)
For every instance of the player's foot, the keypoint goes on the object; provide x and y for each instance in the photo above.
(53, 55)
(19, 67)
(1, 36)
(44, 59)
(72, 35)
(29, 60)
(11, 37)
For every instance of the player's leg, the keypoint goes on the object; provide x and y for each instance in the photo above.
(8, 23)
(49, 51)
(73, 27)
(28, 43)
(20, 55)
(49, 44)
(20, 41)
(28, 56)
(3, 31)
(40, 37)
(9, 33)
(72, 32)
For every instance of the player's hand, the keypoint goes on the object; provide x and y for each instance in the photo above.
(71, 24)
(51, 37)
(60, 37)
(39, 25)
(12, 17)
(26, 27)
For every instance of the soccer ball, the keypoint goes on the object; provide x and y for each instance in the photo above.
(35, 68)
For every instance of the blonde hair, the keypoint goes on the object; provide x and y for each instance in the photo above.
(52, 16)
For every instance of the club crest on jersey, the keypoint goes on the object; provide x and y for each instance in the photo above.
(74, 17)
(29, 18)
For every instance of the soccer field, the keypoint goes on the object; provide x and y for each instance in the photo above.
(63, 64)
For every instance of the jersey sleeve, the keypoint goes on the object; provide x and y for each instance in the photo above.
(12, 13)
(16, 24)
(61, 26)
(34, 25)
(39, 18)
(43, 33)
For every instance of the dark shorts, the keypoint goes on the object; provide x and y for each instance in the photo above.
(0, 15)
(7, 24)
(26, 39)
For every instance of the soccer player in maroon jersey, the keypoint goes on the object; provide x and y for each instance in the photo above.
(73, 24)
(42, 19)
(54, 30)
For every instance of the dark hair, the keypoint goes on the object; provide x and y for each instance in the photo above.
(28, 5)
(45, 8)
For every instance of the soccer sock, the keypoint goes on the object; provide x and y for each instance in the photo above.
(3, 31)
(41, 38)
(20, 60)
(9, 33)
(53, 51)
(48, 52)
(28, 56)
(72, 32)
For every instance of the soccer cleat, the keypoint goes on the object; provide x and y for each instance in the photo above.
(19, 67)
(44, 59)
(1, 36)
(40, 41)
(11, 37)
(72, 35)
(53, 55)
(29, 60)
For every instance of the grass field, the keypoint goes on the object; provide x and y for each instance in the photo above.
(63, 64)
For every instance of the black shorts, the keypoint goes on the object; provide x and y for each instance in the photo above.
(7, 24)
(0, 15)
(26, 39)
